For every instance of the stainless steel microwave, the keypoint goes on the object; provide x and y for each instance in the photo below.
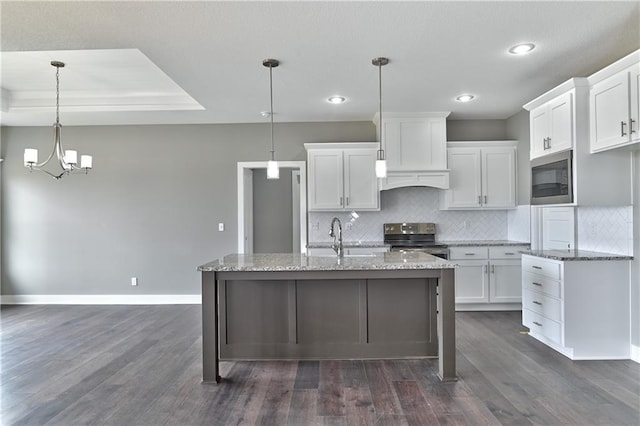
(552, 179)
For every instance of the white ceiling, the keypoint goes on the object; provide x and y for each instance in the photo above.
(214, 52)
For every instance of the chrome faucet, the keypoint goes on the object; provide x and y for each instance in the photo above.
(336, 246)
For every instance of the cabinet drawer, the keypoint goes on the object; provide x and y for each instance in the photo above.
(539, 324)
(506, 252)
(468, 253)
(542, 304)
(541, 266)
(541, 284)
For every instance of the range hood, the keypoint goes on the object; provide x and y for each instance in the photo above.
(433, 178)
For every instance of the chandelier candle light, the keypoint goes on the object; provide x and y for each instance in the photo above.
(381, 163)
(68, 160)
(273, 171)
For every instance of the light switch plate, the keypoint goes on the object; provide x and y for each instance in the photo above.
(220, 226)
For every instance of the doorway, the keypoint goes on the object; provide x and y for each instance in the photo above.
(249, 175)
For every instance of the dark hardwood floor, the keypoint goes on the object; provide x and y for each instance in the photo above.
(141, 365)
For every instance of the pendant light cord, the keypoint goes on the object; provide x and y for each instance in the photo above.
(271, 114)
(57, 95)
(380, 97)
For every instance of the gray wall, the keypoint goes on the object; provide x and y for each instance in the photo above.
(149, 209)
(476, 130)
(518, 129)
(273, 215)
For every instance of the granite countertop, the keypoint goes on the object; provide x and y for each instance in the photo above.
(272, 262)
(349, 244)
(575, 255)
(472, 243)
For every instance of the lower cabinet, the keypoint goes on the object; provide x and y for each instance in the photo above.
(487, 278)
(579, 308)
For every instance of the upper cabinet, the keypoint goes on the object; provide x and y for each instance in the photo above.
(341, 176)
(552, 126)
(415, 146)
(615, 104)
(552, 118)
(482, 176)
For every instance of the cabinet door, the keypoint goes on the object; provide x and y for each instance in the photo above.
(415, 144)
(498, 177)
(360, 182)
(505, 283)
(560, 123)
(465, 188)
(609, 109)
(635, 103)
(472, 285)
(325, 180)
(539, 126)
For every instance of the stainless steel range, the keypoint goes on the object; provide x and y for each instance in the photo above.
(414, 237)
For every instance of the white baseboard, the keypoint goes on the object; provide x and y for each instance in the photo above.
(635, 353)
(101, 299)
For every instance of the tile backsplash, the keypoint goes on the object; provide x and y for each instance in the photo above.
(416, 204)
(606, 229)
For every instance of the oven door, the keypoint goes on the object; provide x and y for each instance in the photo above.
(435, 251)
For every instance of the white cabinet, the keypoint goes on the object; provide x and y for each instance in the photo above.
(487, 278)
(551, 126)
(614, 107)
(482, 176)
(415, 146)
(579, 308)
(341, 176)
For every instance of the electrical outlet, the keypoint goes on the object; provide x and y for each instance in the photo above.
(134, 281)
(220, 226)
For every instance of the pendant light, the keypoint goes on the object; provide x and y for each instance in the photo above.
(273, 172)
(381, 163)
(67, 160)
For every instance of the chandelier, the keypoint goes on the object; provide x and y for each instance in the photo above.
(67, 160)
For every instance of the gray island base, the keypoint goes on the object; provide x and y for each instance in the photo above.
(293, 306)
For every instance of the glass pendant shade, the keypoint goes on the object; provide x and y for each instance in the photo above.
(273, 171)
(381, 168)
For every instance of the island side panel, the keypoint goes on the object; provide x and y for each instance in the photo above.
(210, 356)
(447, 325)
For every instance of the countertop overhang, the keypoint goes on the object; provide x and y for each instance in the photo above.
(284, 262)
(575, 255)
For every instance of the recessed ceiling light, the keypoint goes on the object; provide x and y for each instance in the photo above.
(465, 98)
(521, 49)
(337, 100)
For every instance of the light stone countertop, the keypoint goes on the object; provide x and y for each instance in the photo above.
(349, 244)
(279, 262)
(474, 243)
(569, 255)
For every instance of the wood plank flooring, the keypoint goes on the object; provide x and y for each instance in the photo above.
(141, 365)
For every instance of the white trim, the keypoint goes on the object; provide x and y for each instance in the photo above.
(101, 299)
(248, 165)
(635, 353)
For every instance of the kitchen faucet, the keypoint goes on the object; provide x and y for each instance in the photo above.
(337, 247)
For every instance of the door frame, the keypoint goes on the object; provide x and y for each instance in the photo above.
(245, 203)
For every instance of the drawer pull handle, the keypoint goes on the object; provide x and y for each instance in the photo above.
(535, 283)
(537, 323)
(622, 132)
(537, 303)
(536, 267)
(509, 254)
(469, 254)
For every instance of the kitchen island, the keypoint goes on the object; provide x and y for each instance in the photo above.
(293, 306)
